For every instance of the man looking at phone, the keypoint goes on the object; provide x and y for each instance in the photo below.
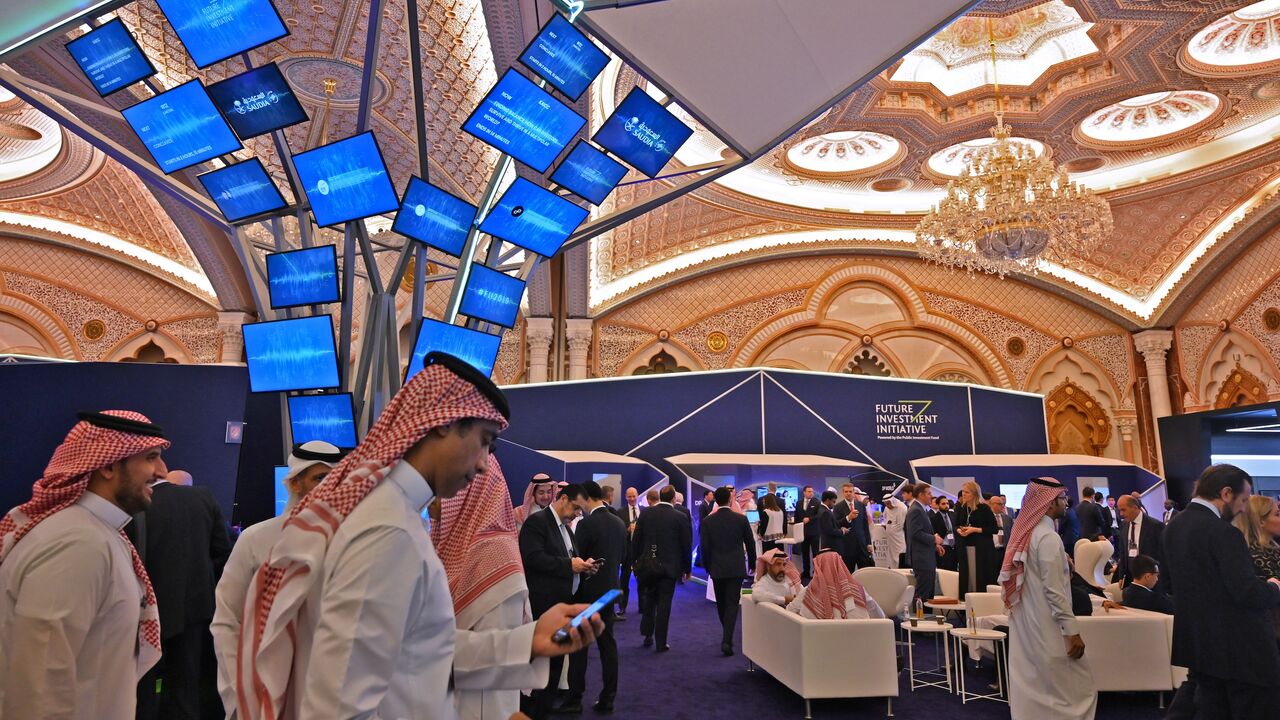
(602, 536)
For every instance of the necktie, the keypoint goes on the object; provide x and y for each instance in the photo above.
(1133, 535)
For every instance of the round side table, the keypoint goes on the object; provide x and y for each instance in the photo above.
(939, 676)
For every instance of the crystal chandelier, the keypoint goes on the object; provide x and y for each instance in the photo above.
(1011, 208)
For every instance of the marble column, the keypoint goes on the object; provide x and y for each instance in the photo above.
(538, 332)
(1153, 344)
(1126, 426)
(578, 333)
(230, 339)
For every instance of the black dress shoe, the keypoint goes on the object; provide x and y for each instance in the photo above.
(648, 641)
(603, 707)
(569, 708)
(621, 617)
(726, 649)
(664, 647)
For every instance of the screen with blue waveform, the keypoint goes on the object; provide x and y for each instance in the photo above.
(346, 180)
(589, 173)
(533, 218)
(258, 101)
(524, 121)
(214, 30)
(643, 133)
(297, 354)
(242, 190)
(282, 491)
(181, 127)
(492, 296)
(303, 277)
(110, 57)
(432, 216)
(322, 417)
(564, 57)
(478, 349)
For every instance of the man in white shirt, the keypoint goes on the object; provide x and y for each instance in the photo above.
(352, 615)
(78, 619)
(777, 580)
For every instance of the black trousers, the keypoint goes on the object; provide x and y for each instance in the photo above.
(171, 689)
(540, 702)
(806, 550)
(728, 600)
(655, 607)
(608, 666)
(1211, 698)
(624, 583)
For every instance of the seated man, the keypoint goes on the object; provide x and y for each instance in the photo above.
(833, 594)
(1141, 593)
(777, 580)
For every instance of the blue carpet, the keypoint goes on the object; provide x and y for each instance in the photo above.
(695, 682)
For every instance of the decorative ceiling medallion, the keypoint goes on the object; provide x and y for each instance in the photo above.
(1016, 346)
(1271, 319)
(893, 184)
(30, 141)
(1244, 42)
(1084, 164)
(1150, 119)
(308, 77)
(950, 162)
(843, 154)
(94, 330)
(717, 342)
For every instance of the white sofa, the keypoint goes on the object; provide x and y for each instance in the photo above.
(819, 659)
(1130, 650)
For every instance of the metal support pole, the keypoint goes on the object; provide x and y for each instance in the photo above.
(419, 282)
(348, 291)
(473, 237)
(253, 275)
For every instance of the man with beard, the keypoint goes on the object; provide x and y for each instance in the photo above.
(537, 496)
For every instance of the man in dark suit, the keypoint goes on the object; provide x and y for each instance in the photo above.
(847, 517)
(1222, 620)
(184, 544)
(1169, 510)
(923, 545)
(553, 569)
(1140, 534)
(729, 548)
(1069, 529)
(829, 535)
(1142, 593)
(629, 513)
(806, 511)
(861, 528)
(1004, 525)
(771, 490)
(601, 536)
(1090, 516)
(669, 533)
(944, 526)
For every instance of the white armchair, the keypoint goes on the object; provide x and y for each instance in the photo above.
(890, 589)
(949, 583)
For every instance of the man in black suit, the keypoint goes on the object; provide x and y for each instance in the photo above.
(1169, 510)
(862, 529)
(829, 535)
(806, 511)
(1142, 593)
(1090, 516)
(1140, 534)
(184, 545)
(729, 548)
(1004, 526)
(944, 526)
(1108, 529)
(1222, 620)
(847, 516)
(553, 568)
(668, 532)
(601, 536)
(923, 546)
(629, 513)
(771, 490)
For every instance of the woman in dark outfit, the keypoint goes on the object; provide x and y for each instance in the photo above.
(975, 540)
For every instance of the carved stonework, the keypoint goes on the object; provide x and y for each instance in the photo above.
(867, 363)
(1077, 422)
(1242, 388)
(660, 364)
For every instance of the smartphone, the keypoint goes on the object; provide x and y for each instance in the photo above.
(561, 636)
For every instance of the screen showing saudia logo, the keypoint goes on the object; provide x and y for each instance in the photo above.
(645, 134)
(254, 102)
(906, 420)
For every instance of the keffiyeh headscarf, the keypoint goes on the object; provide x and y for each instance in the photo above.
(1040, 497)
(831, 586)
(527, 508)
(789, 569)
(97, 441)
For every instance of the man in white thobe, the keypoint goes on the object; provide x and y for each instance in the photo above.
(777, 580)
(1049, 677)
(895, 525)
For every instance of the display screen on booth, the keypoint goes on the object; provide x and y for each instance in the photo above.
(589, 173)
(564, 57)
(258, 101)
(242, 190)
(788, 494)
(643, 133)
(346, 180)
(214, 30)
(432, 216)
(523, 120)
(533, 218)
(492, 296)
(303, 277)
(181, 127)
(282, 492)
(322, 417)
(478, 349)
(296, 354)
(110, 57)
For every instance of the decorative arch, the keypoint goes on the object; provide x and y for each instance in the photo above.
(1234, 349)
(640, 358)
(44, 322)
(1077, 422)
(1241, 388)
(131, 347)
(1065, 368)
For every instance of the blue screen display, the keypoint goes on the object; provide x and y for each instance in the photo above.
(524, 121)
(564, 57)
(110, 57)
(492, 296)
(322, 417)
(589, 173)
(242, 190)
(181, 127)
(533, 218)
(282, 492)
(346, 180)
(433, 216)
(214, 30)
(295, 354)
(303, 277)
(258, 101)
(643, 133)
(478, 349)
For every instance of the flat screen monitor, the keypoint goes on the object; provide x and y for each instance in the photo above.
(564, 57)
(242, 190)
(788, 494)
(432, 216)
(533, 218)
(296, 354)
(303, 277)
(478, 349)
(282, 492)
(323, 417)
(214, 30)
(753, 516)
(589, 173)
(258, 101)
(110, 57)
(181, 127)
(346, 180)
(524, 121)
(643, 133)
(492, 296)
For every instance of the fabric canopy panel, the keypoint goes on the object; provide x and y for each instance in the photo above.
(1075, 471)
(755, 71)
(520, 463)
(749, 470)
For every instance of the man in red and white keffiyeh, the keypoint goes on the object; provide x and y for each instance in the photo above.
(537, 496)
(833, 594)
(78, 618)
(351, 614)
(777, 579)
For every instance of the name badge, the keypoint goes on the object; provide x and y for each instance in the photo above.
(1133, 552)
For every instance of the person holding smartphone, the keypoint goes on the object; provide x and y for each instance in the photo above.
(602, 536)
